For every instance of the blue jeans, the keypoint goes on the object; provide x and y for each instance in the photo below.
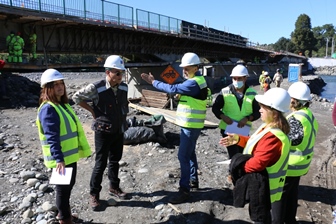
(187, 156)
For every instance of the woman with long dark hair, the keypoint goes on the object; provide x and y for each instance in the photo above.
(62, 137)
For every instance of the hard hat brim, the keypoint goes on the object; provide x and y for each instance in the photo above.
(268, 102)
(186, 65)
(239, 75)
(119, 68)
(43, 84)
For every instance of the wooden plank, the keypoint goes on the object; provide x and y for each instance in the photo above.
(170, 115)
(154, 98)
(154, 93)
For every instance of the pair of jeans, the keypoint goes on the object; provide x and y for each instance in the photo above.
(232, 149)
(63, 193)
(108, 147)
(187, 156)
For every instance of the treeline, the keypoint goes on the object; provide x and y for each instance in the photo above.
(310, 42)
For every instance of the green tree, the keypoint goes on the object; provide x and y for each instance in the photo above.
(284, 44)
(321, 34)
(303, 36)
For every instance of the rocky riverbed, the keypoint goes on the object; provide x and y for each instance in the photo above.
(149, 171)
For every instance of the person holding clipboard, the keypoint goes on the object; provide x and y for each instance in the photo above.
(236, 107)
(62, 138)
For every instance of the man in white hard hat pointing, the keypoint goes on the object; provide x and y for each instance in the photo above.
(190, 116)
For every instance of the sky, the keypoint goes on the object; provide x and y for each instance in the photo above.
(261, 21)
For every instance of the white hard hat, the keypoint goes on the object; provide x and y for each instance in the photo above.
(189, 59)
(114, 61)
(239, 71)
(299, 91)
(276, 98)
(50, 75)
(265, 73)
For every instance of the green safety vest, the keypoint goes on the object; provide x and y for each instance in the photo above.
(232, 109)
(276, 172)
(9, 40)
(300, 156)
(209, 98)
(17, 42)
(74, 144)
(190, 111)
(33, 38)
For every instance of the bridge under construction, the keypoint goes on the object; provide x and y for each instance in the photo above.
(73, 35)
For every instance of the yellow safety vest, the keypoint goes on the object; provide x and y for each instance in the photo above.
(276, 172)
(74, 144)
(300, 156)
(190, 111)
(232, 109)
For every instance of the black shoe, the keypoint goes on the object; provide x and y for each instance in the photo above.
(180, 197)
(194, 186)
(117, 192)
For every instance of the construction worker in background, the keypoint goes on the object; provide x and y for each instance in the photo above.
(235, 105)
(277, 78)
(209, 98)
(267, 82)
(261, 80)
(9, 45)
(303, 130)
(32, 40)
(190, 116)
(18, 45)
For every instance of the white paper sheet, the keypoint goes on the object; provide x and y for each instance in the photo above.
(225, 162)
(61, 179)
(233, 128)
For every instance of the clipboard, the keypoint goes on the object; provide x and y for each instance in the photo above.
(233, 128)
(61, 179)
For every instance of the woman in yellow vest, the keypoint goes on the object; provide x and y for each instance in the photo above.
(62, 137)
(269, 147)
(303, 130)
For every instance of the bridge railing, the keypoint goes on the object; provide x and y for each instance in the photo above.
(104, 11)
(101, 11)
(156, 22)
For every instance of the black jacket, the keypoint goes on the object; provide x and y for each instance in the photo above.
(252, 188)
(111, 110)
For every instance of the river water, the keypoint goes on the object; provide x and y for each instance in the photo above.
(329, 91)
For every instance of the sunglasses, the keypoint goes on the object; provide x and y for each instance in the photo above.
(118, 72)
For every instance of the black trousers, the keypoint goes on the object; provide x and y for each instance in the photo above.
(284, 211)
(63, 193)
(108, 147)
(233, 149)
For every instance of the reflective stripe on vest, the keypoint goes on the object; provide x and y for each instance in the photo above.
(121, 87)
(302, 154)
(232, 109)
(190, 111)
(68, 137)
(276, 172)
